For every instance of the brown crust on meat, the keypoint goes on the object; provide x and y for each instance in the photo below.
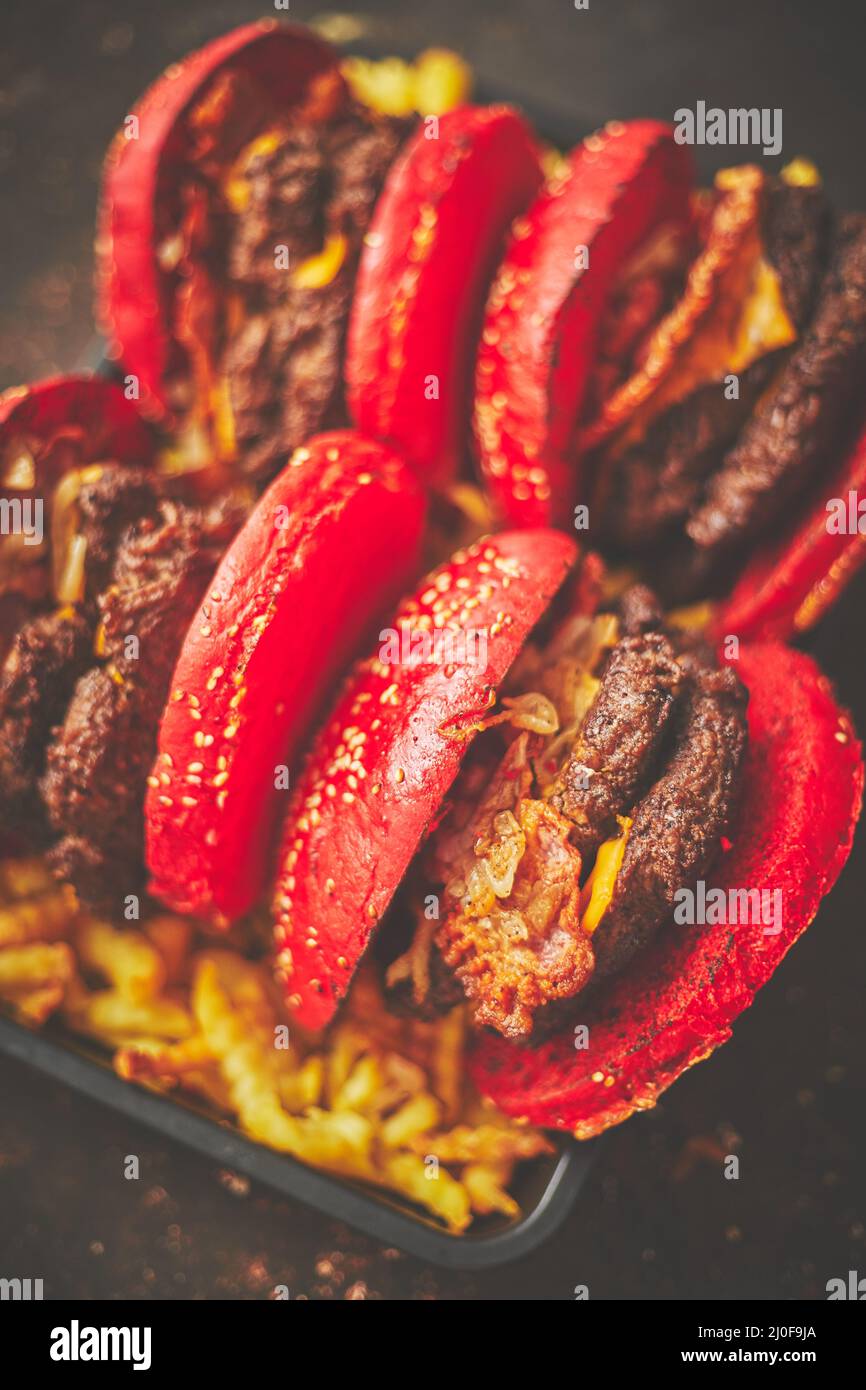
(47, 656)
(795, 226)
(678, 824)
(107, 504)
(97, 766)
(284, 364)
(639, 611)
(620, 738)
(664, 737)
(654, 485)
(803, 419)
(659, 481)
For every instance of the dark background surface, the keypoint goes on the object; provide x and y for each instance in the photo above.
(788, 1093)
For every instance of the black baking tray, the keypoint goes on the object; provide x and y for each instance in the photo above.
(544, 1188)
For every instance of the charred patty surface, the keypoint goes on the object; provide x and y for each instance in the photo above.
(804, 419)
(677, 826)
(47, 656)
(112, 499)
(284, 365)
(620, 737)
(98, 763)
(656, 484)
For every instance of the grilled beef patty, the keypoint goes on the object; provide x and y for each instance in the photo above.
(678, 824)
(658, 483)
(51, 650)
(47, 656)
(804, 418)
(99, 760)
(620, 737)
(82, 687)
(284, 365)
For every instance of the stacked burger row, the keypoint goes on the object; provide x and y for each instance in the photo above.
(324, 320)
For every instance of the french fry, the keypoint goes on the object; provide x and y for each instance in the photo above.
(154, 1058)
(301, 1088)
(482, 1143)
(442, 81)
(375, 1098)
(402, 1075)
(347, 1044)
(362, 1085)
(401, 1079)
(414, 1119)
(25, 878)
(436, 82)
(46, 918)
(125, 958)
(485, 1184)
(340, 1142)
(172, 936)
(208, 1085)
(35, 1006)
(387, 86)
(111, 1016)
(22, 967)
(446, 1062)
(443, 1195)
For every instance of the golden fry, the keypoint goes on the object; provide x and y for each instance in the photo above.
(378, 1098)
(362, 1085)
(430, 1187)
(172, 937)
(154, 1058)
(47, 918)
(333, 1141)
(387, 86)
(436, 82)
(482, 1143)
(208, 1085)
(485, 1184)
(301, 1088)
(126, 958)
(34, 1007)
(447, 1062)
(442, 81)
(25, 878)
(417, 1117)
(38, 964)
(113, 1017)
(347, 1044)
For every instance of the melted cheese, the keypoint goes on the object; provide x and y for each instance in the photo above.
(598, 889)
(319, 270)
(236, 188)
